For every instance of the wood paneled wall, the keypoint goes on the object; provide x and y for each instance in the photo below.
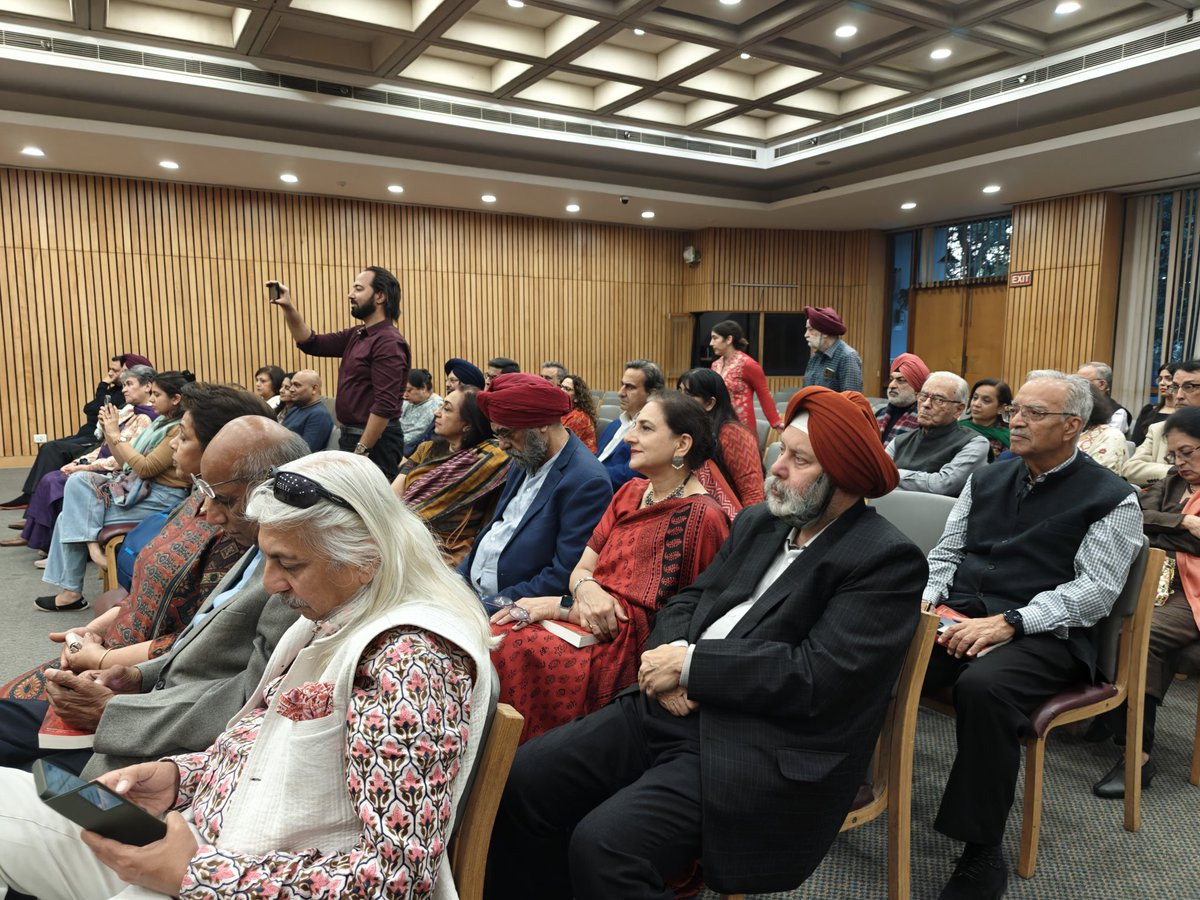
(1067, 316)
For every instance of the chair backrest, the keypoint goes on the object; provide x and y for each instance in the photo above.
(602, 423)
(921, 517)
(782, 396)
(764, 428)
(610, 411)
(1111, 628)
(330, 404)
(772, 454)
(335, 438)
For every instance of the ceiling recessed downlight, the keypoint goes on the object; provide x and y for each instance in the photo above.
(649, 213)
(639, 31)
(288, 178)
(730, 2)
(1067, 7)
(992, 189)
(395, 188)
(908, 205)
(847, 31)
(488, 198)
(32, 151)
(572, 207)
(169, 164)
(744, 55)
(940, 53)
(516, 4)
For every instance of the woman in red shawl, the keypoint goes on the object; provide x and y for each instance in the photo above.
(656, 537)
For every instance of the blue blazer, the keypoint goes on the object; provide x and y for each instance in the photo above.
(552, 536)
(616, 465)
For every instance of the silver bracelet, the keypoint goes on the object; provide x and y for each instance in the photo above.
(579, 583)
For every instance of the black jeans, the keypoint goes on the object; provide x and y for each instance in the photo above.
(387, 452)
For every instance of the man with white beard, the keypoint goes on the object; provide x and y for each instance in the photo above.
(899, 415)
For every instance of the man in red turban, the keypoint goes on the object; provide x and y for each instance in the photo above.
(899, 414)
(551, 501)
(812, 600)
(833, 363)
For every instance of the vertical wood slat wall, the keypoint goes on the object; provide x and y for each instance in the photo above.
(1067, 316)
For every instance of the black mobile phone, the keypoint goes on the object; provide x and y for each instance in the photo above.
(95, 807)
(273, 287)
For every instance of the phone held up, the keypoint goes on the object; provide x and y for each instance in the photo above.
(95, 807)
(273, 287)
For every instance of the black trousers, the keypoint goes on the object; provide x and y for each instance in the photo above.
(387, 452)
(604, 807)
(19, 724)
(53, 455)
(993, 697)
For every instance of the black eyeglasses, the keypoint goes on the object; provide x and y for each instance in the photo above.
(302, 492)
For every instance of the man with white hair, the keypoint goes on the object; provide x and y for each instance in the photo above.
(940, 455)
(1100, 374)
(1034, 554)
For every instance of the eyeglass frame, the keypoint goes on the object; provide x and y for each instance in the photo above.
(207, 490)
(1172, 455)
(938, 400)
(1009, 410)
(321, 492)
(1188, 387)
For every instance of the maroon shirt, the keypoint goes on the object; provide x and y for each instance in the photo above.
(373, 373)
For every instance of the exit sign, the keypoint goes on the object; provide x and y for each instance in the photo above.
(1020, 279)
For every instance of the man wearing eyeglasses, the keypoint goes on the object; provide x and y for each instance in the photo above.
(940, 455)
(1149, 461)
(1034, 553)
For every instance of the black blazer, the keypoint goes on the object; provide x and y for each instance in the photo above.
(792, 701)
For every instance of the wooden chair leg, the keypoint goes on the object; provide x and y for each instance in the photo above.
(1194, 776)
(899, 825)
(733, 897)
(1135, 707)
(1031, 828)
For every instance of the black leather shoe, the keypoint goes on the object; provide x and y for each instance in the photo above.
(48, 605)
(18, 502)
(981, 874)
(1112, 785)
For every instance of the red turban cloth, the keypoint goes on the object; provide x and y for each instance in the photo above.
(913, 368)
(845, 439)
(825, 319)
(134, 359)
(519, 400)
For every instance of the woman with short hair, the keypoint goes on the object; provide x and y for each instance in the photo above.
(581, 419)
(267, 382)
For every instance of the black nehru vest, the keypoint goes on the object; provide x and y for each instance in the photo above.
(1022, 540)
(928, 451)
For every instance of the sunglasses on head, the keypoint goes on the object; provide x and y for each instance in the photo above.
(302, 492)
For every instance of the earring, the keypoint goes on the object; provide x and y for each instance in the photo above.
(677, 462)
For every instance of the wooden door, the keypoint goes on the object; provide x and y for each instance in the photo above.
(938, 327)
(984, 347)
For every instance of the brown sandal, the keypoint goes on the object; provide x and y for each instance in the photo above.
(14, 542)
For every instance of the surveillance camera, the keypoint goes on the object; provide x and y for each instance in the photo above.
(624, 201)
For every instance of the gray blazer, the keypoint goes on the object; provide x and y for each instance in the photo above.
(190, 694)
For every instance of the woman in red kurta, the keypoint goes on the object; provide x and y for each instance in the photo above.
(742, 375)
(657, 536)
(581, 420)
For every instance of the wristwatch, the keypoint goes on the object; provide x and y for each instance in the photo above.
(565, 602)
(361, 449)
(1013, 618)
(122, 439)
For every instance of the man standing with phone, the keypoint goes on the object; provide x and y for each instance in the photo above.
(374, 369)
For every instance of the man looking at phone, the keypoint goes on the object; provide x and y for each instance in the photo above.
(374, 369)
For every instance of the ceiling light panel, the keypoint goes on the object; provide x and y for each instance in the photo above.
(1042, 17)
(643, 43)
(529, 16)
(962, 52)
(820, 33)
(513, 35)
(462, 70)
(194, 21)
(732, 14)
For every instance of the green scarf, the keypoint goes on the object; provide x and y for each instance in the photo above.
(991, 432)
(150, 437)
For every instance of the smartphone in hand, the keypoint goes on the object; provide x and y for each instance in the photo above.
(273, 288)
(95, 807)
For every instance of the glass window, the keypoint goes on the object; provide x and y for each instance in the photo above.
(962, 250)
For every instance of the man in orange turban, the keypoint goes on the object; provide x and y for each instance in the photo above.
(899, 415)
(812, 600)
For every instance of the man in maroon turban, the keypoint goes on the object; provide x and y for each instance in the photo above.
(747, 677)
(833, 363)
(899, 414)
(551, 502)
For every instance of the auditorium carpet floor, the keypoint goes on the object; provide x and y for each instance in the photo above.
(1085, 852)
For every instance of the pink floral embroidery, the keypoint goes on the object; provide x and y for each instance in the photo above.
(306, 702)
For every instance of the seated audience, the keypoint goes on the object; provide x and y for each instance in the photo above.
(941, 454)
(459, 372)
(501, 365)
(808, 603)
(735, 456)
(134, 417)
(1152, 413)
(899, 415)
(420, 404)
(552, 498)
(658, 534)
(1149, 461)
(1100, 375)
(267, 382)
(285, 397)
(392, 650)
(581, 419)
(641, 379)
(308, 416)
(1035, 552)
(1101, 441)
(989, 398)
(454, 481)
(180, 701)
(742, 374)
(52, 455)
(1171, 522)
(146, 483)
(554, 372)
(180, 563)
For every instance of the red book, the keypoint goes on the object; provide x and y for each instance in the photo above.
(55, 734)
(951, 616)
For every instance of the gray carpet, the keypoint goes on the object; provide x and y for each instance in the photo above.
(1085, 851)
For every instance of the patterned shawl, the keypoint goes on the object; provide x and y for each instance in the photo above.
(441, 485)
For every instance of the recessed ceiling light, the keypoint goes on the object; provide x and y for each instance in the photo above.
(289, 178)
(847, 31)
(488, 198)
(32, 151)
(730, 2)
(572, 207)
(516, 4)
(745, 55)
(169, 164)
(1067, 7)
(908, 205)
(992, 189)
(639, 31)
(396, 188)
(649, 213)
(940, 53)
